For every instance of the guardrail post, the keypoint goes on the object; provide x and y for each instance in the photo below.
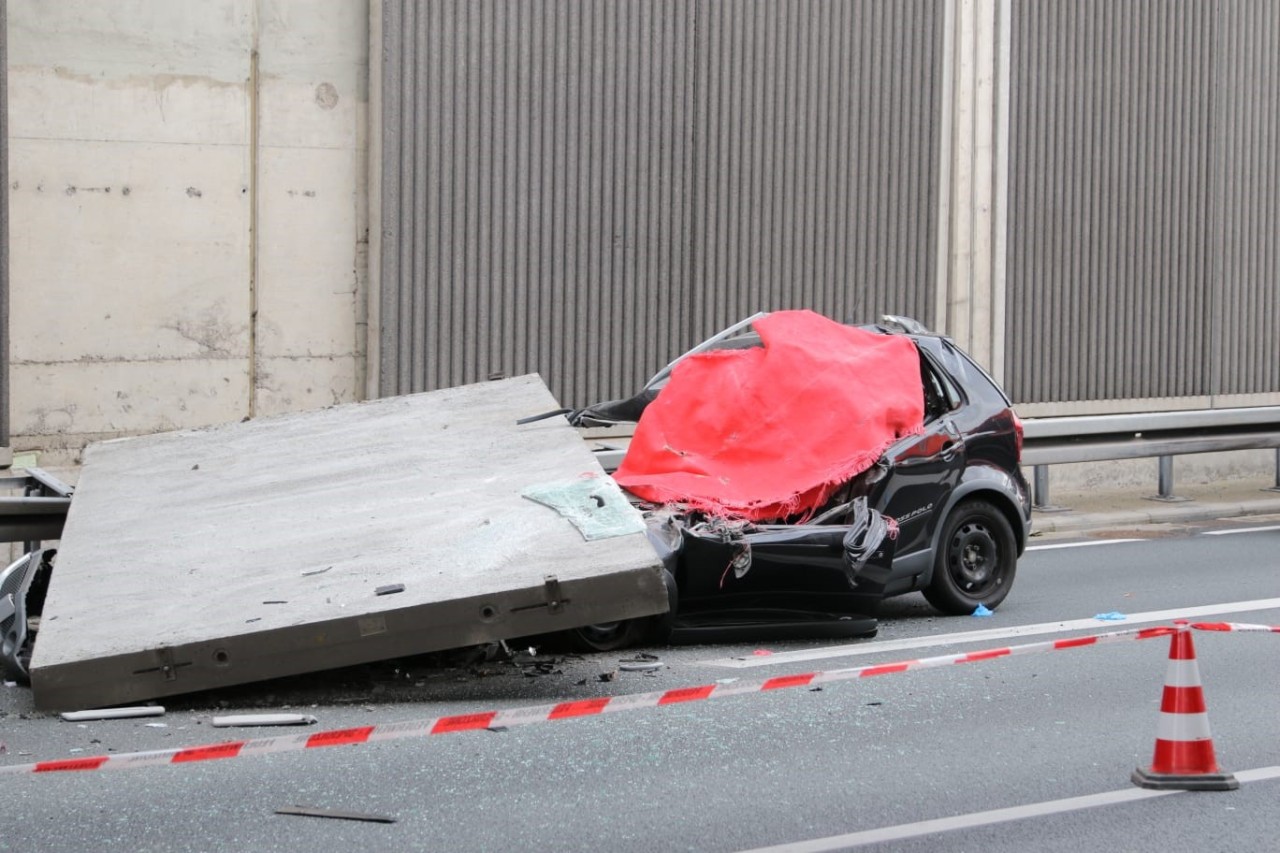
(1166, 482)
(1276, 487)
(1040, 484)
(1166, 477)
(1040, 490)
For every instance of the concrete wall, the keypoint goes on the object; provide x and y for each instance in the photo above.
(187, 192)
(974, 168)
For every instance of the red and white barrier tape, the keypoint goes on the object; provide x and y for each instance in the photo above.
(546, 713)
(1234, 626)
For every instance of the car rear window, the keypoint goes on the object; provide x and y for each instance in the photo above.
(970, 374)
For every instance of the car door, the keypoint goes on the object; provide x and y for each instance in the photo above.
(924, 468)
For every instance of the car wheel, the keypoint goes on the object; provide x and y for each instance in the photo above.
(976, 560)
(606, 636)
(611, 636)
(661, 626)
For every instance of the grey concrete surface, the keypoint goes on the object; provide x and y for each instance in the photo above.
(1101, 507)
(219, 556)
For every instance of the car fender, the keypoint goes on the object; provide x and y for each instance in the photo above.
(998, 486)
(1006, 492)
(978, 481)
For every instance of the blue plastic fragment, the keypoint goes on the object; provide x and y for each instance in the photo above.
(983, 611)
(1113, 616)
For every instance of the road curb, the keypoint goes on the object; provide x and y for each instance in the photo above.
(1068, 521)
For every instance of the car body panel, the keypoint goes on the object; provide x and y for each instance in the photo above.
(969, 450)
(923, 470)
(836, 568)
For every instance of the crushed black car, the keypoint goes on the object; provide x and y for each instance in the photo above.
(946, 509)
(730, 580)
(23, 585)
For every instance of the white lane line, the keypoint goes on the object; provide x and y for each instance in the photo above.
(871, 648)
(987, 818)
(1237, 530)
(1081, 544)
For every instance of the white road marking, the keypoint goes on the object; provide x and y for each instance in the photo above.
(992, 634)
(987, 818)
(1081, 544)
(1238, 530)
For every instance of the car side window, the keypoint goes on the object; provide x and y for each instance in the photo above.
(938, 395)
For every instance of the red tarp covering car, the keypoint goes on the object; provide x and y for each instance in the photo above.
(771, 432)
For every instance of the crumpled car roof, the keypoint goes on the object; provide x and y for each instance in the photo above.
(771, 432)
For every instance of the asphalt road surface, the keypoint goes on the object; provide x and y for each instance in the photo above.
(1015, 753)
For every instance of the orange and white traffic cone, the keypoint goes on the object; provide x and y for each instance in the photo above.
(1184, 758)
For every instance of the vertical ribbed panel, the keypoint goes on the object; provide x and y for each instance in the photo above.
(1142, 245)
(584, 189)
(816, 158)
(534, 185)
(1247, 122)
(1110, 205)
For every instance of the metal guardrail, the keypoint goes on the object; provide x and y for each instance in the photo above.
(1094, 438)
(40, 512)
(1160, 435)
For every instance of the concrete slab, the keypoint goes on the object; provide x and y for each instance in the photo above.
(205, 558)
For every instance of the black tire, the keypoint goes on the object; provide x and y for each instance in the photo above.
(607, 636)
(976, 561)
(659, 627)
(611, 636)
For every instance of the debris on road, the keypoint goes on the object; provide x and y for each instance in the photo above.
(641, 663)
(307, 811)
(114, 713)
(263, 720)
(536, 668)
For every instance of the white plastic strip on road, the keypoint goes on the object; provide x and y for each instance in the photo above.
(987, 818)
(1082, 544)
(872, 648)
(1240, 530)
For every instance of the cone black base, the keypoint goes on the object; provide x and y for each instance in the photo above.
(1184, 781)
